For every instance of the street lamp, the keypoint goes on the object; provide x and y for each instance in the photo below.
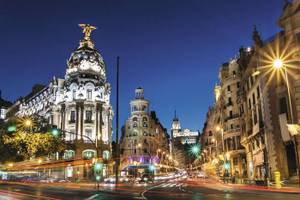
(278, 63)
(28, 123)
(218, 128)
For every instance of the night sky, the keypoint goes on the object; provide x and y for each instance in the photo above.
(171, 48)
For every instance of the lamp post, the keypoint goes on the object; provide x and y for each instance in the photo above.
(279, 64)
(218, 128)
(225, 156)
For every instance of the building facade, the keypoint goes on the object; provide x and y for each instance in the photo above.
(270, 102)
(79, 105)
(4, 105)
(144, 141)
(258, 109)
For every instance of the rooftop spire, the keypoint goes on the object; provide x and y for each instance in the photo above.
(256, 37)
(175, 116)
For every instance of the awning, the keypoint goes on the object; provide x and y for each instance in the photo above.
(294, 129)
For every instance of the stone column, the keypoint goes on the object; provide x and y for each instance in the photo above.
(77, 125)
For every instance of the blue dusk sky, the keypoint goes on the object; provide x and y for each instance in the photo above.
(171, 48)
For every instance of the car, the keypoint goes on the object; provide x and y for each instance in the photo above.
(146, 178)
(201, 175)
(112, 179)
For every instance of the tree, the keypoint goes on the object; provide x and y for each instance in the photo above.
(31, 140)
(36, 144)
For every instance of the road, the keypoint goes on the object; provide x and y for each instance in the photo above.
(172, 190)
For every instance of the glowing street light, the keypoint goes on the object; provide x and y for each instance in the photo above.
(227, 156)
(54, 132)
(152, 168)
(278, 63)
(195, 150)
(28, 123)
(12, 128)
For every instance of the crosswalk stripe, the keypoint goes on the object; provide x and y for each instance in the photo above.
(171, 185)
(166, 184)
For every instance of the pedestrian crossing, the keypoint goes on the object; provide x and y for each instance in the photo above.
(171, 185)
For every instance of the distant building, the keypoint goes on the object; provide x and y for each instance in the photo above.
(144, 141)
(181, 140)
(4, 105)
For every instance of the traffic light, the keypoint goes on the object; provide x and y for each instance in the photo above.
(227, 165)
(152, 168)
(98, 178)
(98, 167)
(55, 132)
(98, 171)
(195, 150)
(12, 128)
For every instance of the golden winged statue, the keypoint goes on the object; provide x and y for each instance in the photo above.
(86, 30)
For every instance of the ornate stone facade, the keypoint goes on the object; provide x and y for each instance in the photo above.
(144, 140)
(79, 104)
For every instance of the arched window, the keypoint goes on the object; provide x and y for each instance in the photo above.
(88, 154)
(134, 125)
(145, 119)
(105, 155)
(69, 154)
(145, 124)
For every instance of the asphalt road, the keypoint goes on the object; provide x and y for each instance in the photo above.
(171, 190)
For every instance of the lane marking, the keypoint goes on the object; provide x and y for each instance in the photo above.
(7, 192)
(92, 197)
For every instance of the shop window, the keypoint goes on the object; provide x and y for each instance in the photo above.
(69, 154)
(88, 154)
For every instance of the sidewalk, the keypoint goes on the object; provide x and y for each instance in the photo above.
(219, 185)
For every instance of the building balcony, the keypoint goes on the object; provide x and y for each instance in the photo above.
(232, 117)
(88, 121)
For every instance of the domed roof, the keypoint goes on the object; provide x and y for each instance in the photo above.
(86, 58)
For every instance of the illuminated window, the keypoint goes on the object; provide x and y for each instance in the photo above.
(88, 154)
(69, 154)
(105, 155)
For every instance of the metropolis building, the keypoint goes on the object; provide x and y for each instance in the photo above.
(78, 104)
(144, 141)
